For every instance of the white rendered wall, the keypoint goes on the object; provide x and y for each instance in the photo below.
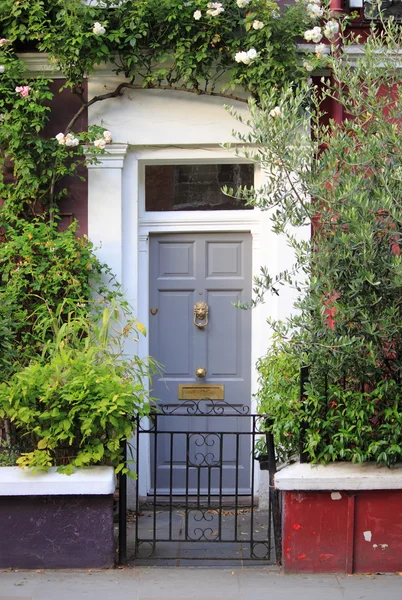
(159, 126)
(162, 117)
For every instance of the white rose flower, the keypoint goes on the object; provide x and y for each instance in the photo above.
(2, 117)
(101, 144)
(331, 28)
(215, 8)
(252, 53)
(61, 139)
(313, 35)
(2, 68)
(240, 57)
(70, 140)
(246, 57)
(98, 29)
(320, 50)
(258, 24)
(107, 136)
(243, 3)
(308, 66)
(275, 112)
(197, 15)
(314, 10)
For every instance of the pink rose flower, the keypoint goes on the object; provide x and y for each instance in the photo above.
(4, 42)
(23, 90)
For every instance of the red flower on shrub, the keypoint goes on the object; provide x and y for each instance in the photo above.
(395, 247)
(330, 310)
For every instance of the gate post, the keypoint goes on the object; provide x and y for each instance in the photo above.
(123, 508)
(304, 376)
(274, 496)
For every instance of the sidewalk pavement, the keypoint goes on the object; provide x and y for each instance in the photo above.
(155, 583)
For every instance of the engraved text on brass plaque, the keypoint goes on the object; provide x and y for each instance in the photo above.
(193, 391)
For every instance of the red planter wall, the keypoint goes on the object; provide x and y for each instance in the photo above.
(350, 532)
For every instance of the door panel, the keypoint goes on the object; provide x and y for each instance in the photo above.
(176, 259)
(185, 269)
(224, 259)
(223, 359)
(174, 307)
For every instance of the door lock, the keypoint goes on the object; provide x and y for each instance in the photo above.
(201, 372)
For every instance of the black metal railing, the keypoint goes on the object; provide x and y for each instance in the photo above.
(201, 482)
(304, 376)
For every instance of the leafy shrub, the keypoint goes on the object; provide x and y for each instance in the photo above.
(278, 397)
(344, 177)
(75, 407)
(9, 454)
(38, 261)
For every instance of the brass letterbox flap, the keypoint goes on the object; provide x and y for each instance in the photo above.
(195, 391)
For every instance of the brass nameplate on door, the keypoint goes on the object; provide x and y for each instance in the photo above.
(192, 391)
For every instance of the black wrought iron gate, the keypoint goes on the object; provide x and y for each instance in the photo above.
(198, 496)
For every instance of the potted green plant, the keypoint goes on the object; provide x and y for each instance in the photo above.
(69, 412)
(261, 454)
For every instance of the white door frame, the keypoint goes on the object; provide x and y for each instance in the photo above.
(117, 220)
(190, 222)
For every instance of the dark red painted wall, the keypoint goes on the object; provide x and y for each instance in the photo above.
(351, 532)
(314, 532)
(381, 513)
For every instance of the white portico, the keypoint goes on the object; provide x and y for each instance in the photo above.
(159, 127)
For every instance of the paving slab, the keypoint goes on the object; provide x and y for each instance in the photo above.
(371, 587)
(152, 583)
(275, 585)
(216, 539)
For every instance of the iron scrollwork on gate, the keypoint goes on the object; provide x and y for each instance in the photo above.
(204, 407)
(213, 506)
(208, 454)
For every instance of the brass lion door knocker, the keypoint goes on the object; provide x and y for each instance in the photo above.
(201, 314)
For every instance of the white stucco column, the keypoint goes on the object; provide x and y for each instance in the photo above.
(105, 207)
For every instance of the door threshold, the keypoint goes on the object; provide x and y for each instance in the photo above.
(193, 501)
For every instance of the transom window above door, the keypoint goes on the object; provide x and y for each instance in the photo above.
(195, 187)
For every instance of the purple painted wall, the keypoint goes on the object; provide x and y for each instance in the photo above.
(56, 532)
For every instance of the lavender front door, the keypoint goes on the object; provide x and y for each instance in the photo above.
(186, 269)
